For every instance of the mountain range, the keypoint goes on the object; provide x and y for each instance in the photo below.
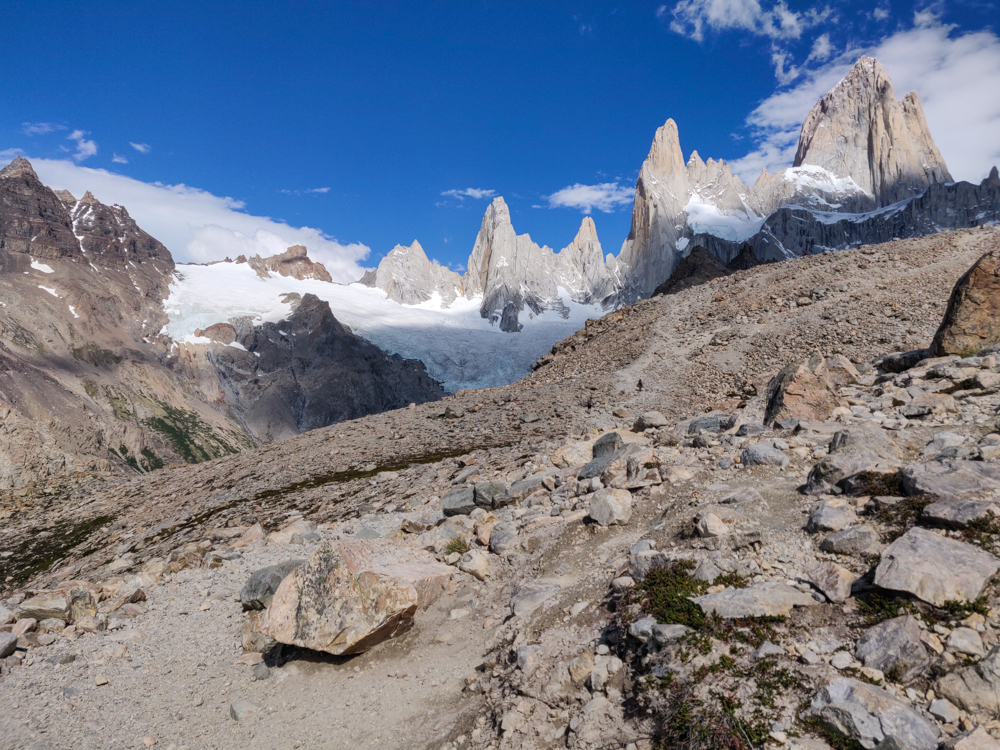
(866, 170)
(116, 359)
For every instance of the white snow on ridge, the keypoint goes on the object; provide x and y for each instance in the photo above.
(49, 290)
(458, 346)
(41, 266)
(704, 217)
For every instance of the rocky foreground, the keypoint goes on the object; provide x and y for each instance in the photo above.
(719, 518)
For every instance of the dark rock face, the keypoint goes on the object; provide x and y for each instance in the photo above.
(793, 230)
(311, 371)
(972, 320)
(699, 267)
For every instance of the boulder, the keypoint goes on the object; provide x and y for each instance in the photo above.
(972, 319)
(857, 540)
(711, 423)
(929, 404)
(759, 600)
(871, 716)
(491, 495)
(8, 644)
(45, 605)
(259, 589)
(802, 391)
(894, 645)
(650, 420)
(503, 538)
(864, 447)
(762, 454)
(966, 641)
(610, 507)
(835, 581)
(475, 563)
(529, 596)
(349, 597)
(958, 514)
(977, 739)
(951, 480)
(461, 501)
(974, 688)
(935, 568)
(841, 371)
(298, 527)
(831, 515)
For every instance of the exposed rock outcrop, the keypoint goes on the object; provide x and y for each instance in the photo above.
(407, 276)
(293, 262)
(972, 321)
(307, 371)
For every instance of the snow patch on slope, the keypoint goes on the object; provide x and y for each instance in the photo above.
(704, 217)
(459, 347)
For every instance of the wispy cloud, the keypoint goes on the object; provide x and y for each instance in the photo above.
(84, 148)
(313, 191)
(40, 128)
(956, 75)
(692, 17)
(142, 148)
(119, 159)
(10, 153)
(606, 197)
(476, 193)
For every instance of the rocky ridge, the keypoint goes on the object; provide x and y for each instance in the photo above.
(546, 634)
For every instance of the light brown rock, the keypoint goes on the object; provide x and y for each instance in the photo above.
(972, 319)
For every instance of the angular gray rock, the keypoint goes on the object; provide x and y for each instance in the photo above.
(935, 568)
(894, 646)
(871, 716)
(975, 688)
(759, 600)
(958, 514)
(833, 580)
(459, 502)
(950, 480)
(831, 515)
(611, 507)
(763, 455)
(857, 540)
(259, 589)
(864, 447)
(8, 644)
(977, 739)
(491, 495)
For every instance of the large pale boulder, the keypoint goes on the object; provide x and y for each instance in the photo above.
(972, 320)
(935, 568)
(349, 597)
(894, 645)
(975, 688)
(760, 600)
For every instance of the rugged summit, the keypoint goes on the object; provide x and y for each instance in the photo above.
(304, 372)
(508, 270)
(88, 383)
(859, 130)
(860, 150)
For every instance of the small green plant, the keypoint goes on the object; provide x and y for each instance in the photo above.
(982, 531)
(665, 595)
(956, 609)
(877, 483)
(458, 545)
(901, 516)
(877, 607)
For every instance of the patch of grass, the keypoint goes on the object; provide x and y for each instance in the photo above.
(834, 738)
(90, 387)
(902, 516)
(665, 595)
(876, 607)
(877, 483)
(192, 439)
(958, 609)
(690, 723)
(457, 545)
(96, 356)
(982, 532)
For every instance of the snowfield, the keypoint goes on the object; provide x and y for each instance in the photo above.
(459, 347)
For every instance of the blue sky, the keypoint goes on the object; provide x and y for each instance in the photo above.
(370, 124)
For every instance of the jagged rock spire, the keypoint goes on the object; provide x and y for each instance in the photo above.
(20, 166)
(859, 130)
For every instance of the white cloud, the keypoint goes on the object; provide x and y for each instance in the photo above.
(476, 193)
(692, 17)
(305, 192)
(822, 49)
(84, 148)
(142, 148)
(605, 197)
(196, 225)
(880, 13)
(39, 128)
(119, 159)
(9, 154)
(956, 75)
